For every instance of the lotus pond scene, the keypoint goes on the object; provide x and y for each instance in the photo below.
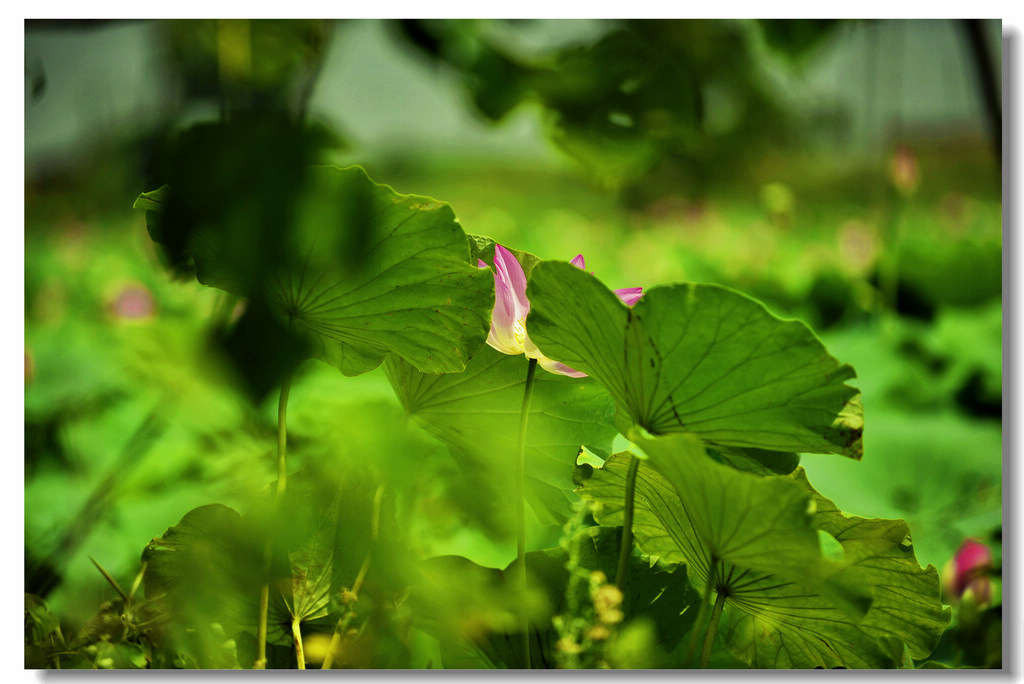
(513, 344)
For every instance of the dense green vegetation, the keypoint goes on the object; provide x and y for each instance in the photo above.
(266, 422)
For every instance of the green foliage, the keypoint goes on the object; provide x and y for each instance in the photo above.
(385, 542)
(749, 530)
(248, 62)
(206, 571)
(648, 106)
(476, 414)
(395, 277)
(576, 611)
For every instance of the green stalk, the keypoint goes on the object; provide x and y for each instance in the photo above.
(300, 656)
(268, 549)
(705, 657)
(282, 439)
(705, 600)
(627, 525)
(524, 414)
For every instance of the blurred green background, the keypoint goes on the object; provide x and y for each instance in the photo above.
(846, 173)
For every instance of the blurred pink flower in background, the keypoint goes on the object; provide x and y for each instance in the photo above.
(133, 302)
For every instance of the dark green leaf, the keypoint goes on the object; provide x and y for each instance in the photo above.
(780, 631)
(759, 461)
(354, 269)
(697, 510)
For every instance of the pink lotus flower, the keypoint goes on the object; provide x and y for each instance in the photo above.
(967, 572)
(511, 307)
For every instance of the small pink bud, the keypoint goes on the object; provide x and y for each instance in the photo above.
(133, 302)
(966, 574)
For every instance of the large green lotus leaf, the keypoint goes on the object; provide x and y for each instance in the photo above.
(359, 271)
(701, 359)
(477, 412)
(779, 619)
(747, 523)
(779, 630)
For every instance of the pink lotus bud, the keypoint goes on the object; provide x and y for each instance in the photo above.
(133, 302)
(508, 319)
(966, 574)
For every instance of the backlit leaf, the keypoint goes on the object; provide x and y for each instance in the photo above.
(476, 413)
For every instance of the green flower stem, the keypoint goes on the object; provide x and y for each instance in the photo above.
(705, 656)
(627, 525)
(702, 613)
(261, 626)
(282, 440)
(300, 656)
(524, 622)
(268, 550)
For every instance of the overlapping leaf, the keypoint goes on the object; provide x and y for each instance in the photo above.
(476, 413)
(706, 513)
(358, 271)
(778, 615)
(699, 358)
(775, 631)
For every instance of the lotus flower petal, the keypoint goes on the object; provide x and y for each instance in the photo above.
(511, 307)
(550, 365)
(630, 295)
(508, 319)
